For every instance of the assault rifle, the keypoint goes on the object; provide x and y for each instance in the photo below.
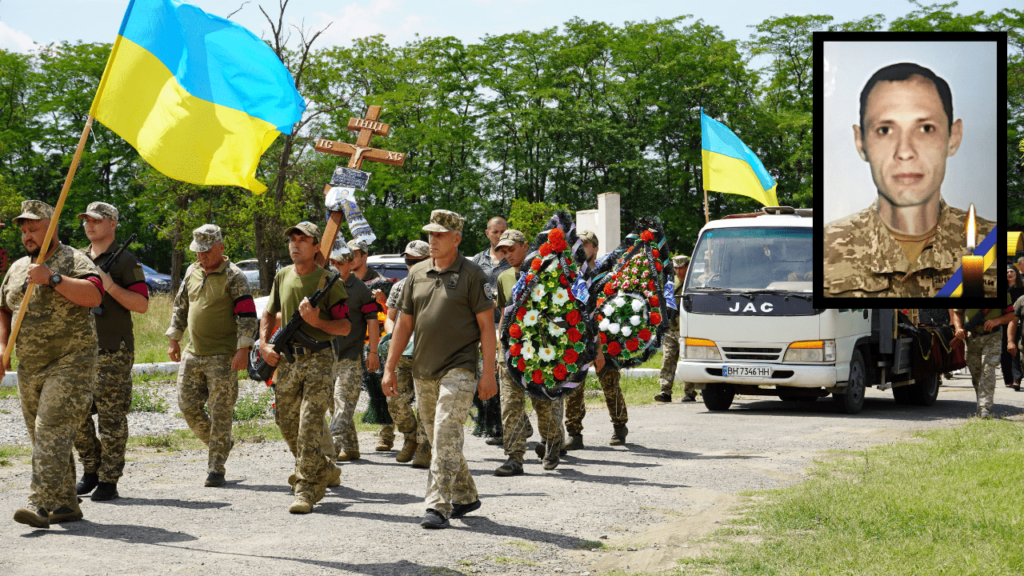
(108, 264)
(292, 332)
(977, 320)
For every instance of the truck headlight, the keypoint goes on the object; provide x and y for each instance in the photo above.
(811, 351)
(701, 349)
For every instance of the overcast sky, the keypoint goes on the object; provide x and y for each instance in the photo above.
(23, 22)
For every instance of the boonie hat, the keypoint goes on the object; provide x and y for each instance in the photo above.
(204, 237)
(511, 237)
(307, 228)
(444, 221)
(680, 261)
(417, 249)
(100, 210)
(34, 210)
(588, 236)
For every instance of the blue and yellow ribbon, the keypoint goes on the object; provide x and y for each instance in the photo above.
(987, 248)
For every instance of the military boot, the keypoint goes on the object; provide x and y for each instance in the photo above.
(422, 459)
(335, 479)
(34, 516)
(408, 450)
(384, 445)
(292, 479)
(575, 442)
(663, 397)
(346, 455)
(619, 436)
(65, 514)
(511, 467)
(300, 506)
(104, 491)
(87, 483)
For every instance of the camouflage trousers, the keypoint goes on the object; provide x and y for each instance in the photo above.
(302, 397)
(348, 383)
(112, 399)
(444, 406)
(576, 407)
(209, 381)
(55, 398)
(515, 423)
(400, 407)
(670, 349)
(983, 354)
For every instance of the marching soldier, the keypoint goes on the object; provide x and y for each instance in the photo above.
(215, 306)
(607, 375)
(348, 367)
(515, 422)
(446, 298)
(56, 350)
(671, 344)
(416, 447)
(359, 268)
(126, 292)
(303, 390)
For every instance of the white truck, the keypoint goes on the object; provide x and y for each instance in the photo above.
(748, 325)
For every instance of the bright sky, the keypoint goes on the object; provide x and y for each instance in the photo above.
(23, 22)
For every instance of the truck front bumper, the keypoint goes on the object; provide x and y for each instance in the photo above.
(798, 376)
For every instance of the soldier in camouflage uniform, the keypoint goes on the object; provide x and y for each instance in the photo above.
(446, 300)
(304, 384)
(126, 292)
(607, 374)
(215, 305)
(56, 349)
(984, 348)
(909, 243)
(416, 447)
(348, 367)
(670, 347)
(515, 421)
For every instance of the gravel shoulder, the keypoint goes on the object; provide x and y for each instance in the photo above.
(678, 476)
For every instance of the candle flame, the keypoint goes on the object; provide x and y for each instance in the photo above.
(972, 232)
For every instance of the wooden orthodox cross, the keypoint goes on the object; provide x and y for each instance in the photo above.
(367, 127)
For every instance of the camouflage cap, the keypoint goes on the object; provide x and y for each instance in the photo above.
(354, 245)
(588, 236)
(511, 237)
(204, 237)
(100, 211)
(34, 210)
(417, 249)
(680, 261)
(444, 221)
(1018, 307)
(307, 228)
(340, 252)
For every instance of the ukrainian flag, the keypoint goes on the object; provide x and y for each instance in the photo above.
(200, 97)
(731, 167)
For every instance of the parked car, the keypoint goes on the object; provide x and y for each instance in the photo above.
(253, 277)
(389, 265)
(247, 265)
(157, 282)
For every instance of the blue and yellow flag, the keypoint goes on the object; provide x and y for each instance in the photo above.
(731, 167)
(200, 97)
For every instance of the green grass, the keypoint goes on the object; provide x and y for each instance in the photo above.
(654, 361)
(150, 342)
(8, 392)
(146, 399)
(524, 546)
(949, 504)
(590, 545)
(253, 406)
(637, 391)
(8, 452)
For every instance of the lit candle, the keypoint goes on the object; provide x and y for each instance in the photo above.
(972, 266)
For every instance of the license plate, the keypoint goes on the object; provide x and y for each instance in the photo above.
(747, 371)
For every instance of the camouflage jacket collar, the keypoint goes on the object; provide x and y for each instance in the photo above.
(941, 253)
(220, 269)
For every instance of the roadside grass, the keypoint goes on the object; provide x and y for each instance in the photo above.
(9, 452)
(146, 399)
(654, 361)
(7, 392)
(949, 503)
(150, 342)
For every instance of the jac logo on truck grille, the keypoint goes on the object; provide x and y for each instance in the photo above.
(765, 307)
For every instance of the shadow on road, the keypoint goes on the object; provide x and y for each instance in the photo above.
(171, 502)
(120, 532)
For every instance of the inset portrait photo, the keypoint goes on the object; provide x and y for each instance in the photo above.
(910, 133)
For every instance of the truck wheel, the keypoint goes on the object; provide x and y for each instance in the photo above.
(851, 400)
(718, 397)
(902, 395)
(925, 392)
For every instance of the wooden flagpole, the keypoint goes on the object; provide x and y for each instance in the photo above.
(706, 217)
(44, 251)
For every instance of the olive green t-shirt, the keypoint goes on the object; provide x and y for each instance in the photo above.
(993, 314)
(444, 305)
(290, 289)
(506, 280)
(115, 324)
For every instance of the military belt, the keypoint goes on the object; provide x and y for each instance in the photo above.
(308, 350)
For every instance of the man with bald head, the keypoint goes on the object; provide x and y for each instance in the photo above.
(909, 243)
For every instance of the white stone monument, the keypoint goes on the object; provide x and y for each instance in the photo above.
(606, 222)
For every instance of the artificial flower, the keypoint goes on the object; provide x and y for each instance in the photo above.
(546, 353)
(515, 331)
(603, 337)
(535, 265)
(657, 266)
(574, 317)
(608, 310)
(528, 350)
(560, 297)
(645, 334)
(614, 348)
(627, 331)
(570, 356)
(537, 293)
(654, 301)
(529, 277)
(635, 320)
(545, 249)
(637, 306)
(520, 314)
(560, 372)
(562, 280)
(603, 326)
(531, 318)
(574, 335)
(655, 318)
(521, 365)
(537, 377)
(516, 350)
(557, 240)
(609, 289)
(555, 330)
(646, 236)
(613, 328)
(619, 301)
(632, 344)
(655, 253)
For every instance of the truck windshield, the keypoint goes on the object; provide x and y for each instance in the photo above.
(753, 259)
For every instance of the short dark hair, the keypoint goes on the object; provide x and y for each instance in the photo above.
(902, 72)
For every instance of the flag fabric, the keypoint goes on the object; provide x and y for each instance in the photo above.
(731, 167)
(200, 97)
(954, 286)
